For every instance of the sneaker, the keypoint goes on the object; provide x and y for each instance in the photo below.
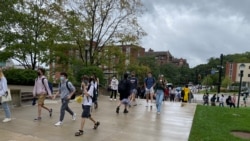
(58, 123)
(96, 125)
(117, 110)
(114, 99)
(111, 99)
(7, 120)
(50, 112)
(74, 116)
(158, 113)
(125, 111)
(38, 118)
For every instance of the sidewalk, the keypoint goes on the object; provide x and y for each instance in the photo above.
(141, 123)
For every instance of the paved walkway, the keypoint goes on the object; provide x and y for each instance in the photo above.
(141, 123)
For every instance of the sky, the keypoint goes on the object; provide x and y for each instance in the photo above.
(196, 30)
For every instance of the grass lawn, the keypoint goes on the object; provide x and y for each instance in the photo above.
(216, 123)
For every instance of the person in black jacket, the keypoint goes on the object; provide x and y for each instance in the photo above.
(124, 94)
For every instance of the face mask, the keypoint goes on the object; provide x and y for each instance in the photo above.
(61, 78)
(38, 73)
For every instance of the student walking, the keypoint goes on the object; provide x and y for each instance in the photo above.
(149, 84)
(3, 92)
(133, 89)
(124, 90)
(160, 87)
(41, 90)
(88, 92)
(221, 104)
(66, 90)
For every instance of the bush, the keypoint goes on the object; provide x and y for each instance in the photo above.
(20, 76)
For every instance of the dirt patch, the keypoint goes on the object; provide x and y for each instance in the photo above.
(241, 134)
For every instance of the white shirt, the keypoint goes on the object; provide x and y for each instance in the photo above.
(87, 100)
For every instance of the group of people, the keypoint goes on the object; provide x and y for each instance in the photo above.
(153, 89)
(230, 100)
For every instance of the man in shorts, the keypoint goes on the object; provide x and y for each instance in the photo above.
(88, 92)
(149, 84)
(133, 90)
(40, 90)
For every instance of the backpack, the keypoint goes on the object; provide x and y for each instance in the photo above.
(67, 85)
(122, 86)
(49, 84)
(94, 97)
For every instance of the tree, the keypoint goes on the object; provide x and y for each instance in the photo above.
(28, 31)
(105, 22)
(226, 82)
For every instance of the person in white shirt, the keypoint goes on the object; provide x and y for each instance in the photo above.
(221, 101)
(86, 106)
(114, 87)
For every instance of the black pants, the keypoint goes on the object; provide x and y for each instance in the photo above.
(113, 92)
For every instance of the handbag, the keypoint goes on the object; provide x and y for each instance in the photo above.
(6, 97)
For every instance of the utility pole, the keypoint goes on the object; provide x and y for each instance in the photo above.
(220, 73)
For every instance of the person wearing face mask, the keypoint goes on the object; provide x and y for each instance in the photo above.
(160, 87)
(66, 91)
(40, 90)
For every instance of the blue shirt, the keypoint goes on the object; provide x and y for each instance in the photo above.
(133, 82)
(149, 81)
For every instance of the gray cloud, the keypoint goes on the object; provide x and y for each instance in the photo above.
(196, 29)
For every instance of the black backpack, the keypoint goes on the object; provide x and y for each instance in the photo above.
(122, 86)
(94, 97)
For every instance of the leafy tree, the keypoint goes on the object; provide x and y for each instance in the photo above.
(104, 22)
(28, 31)
(226, 82)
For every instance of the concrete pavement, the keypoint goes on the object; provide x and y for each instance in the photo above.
(141, 123)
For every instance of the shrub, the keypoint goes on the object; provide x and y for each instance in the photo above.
(20, 76)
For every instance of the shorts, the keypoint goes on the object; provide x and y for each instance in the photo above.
(86, 111)
(133, 91)
(149, 91)
(125, 101)
(41, 98)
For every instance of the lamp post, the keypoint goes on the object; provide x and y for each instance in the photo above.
(220, 73)
(86, 54)
(241, 68)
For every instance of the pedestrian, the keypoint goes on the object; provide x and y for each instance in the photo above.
(213, 99)
(160, 87)
(149, 84)
(124, 91)
(245, 100)
(97, 84)
(114, 86)
(185, 94)
(4, 91)
(221, 101)
(133, 89)
(88, 92)
(172, 91)
(206, 99)
(41, 90)
(66, 91)
(229, 102)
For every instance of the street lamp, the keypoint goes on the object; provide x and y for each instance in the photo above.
(241, 68)
(86, 54)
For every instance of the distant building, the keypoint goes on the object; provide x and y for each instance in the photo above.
(7, 64)
(232, 71)
(165, 57)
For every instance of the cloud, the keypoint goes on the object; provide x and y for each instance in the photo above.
(196, 30)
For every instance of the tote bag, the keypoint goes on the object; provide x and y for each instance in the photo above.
(6, 97)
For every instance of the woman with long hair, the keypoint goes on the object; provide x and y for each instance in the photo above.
(3, 91)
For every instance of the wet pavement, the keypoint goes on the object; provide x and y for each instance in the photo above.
(141, 123)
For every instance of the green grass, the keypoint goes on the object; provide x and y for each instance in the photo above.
(216, 123)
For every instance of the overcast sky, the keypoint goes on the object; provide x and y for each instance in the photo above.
(197, 30)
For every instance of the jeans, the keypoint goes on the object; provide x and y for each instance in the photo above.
(65, 106)
(6, 109)
(159, 98)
